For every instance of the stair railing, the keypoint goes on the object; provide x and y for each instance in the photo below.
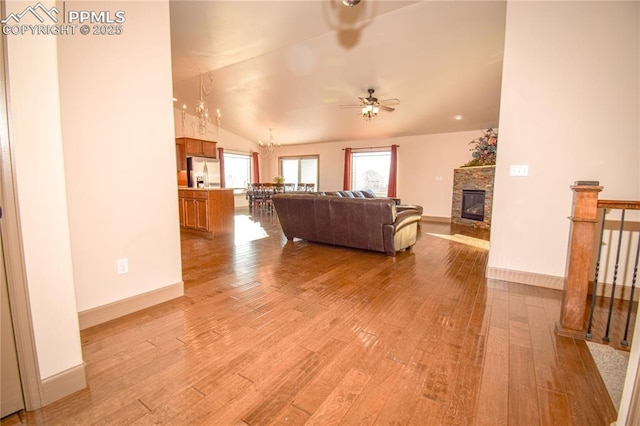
(584, 220)
(608, 206)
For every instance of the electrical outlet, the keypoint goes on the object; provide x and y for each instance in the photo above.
(123, 266)
(439, 178)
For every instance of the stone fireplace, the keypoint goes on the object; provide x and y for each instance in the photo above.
(473, 196)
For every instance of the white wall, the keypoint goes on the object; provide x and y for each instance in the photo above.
(420, 159)
(570, 110)
(36, 142)
(119, 149)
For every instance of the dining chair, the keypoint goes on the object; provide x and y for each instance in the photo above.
(268, 189)
(255, 195)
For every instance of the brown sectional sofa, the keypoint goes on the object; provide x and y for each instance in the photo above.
(364, 223)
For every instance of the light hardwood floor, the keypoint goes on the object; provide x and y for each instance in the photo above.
(274, 332)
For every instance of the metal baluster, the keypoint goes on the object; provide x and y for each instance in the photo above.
(633, 286)
(595, 278)
(615, 278)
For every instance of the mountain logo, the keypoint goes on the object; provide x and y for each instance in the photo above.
(34, 10)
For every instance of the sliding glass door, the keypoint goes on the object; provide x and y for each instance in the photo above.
(300, 169)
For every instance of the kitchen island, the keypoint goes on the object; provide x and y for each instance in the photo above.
(209, 210)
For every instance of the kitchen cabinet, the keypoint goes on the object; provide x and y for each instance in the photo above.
(181, 156)
(198, 147)
(208, 210)
(194, 207)
(209, 149)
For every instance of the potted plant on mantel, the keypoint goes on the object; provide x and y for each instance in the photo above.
(484, 150)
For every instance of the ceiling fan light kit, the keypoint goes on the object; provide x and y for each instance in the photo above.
(370, 106)
(350, 3)
(370, 111)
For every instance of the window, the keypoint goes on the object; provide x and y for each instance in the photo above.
(237, 170)
(300, 169)
(370, 170)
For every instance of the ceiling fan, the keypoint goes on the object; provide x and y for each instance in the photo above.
(370, 106)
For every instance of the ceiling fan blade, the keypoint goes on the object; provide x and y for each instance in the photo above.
(386, 108)
(350, 106)
(391, 101)
(363, 100)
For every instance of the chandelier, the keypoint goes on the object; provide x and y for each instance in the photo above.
(202, 111)
(270, 147)
(370, 110)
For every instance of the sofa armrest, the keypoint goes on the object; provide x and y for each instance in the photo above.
(395, 233)
(406, 217)
(408, 207)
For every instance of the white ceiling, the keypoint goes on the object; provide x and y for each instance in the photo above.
(288, 65)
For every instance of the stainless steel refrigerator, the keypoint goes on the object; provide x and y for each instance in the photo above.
(203, 172)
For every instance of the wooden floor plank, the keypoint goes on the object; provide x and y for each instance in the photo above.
(373, 397)
(463, 401)
(311, 396)
(400, 404)
(523, 396)
(334, 408)
(493, 397)
(554, 408)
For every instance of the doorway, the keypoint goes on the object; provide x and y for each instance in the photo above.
(11, 399)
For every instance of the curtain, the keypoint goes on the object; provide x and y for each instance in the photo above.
(255, 175)
(393, 172)
(221, 162)
(346, 184)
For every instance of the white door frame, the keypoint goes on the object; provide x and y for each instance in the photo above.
(13, 251)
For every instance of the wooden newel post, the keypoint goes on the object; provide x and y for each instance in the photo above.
(581, 238)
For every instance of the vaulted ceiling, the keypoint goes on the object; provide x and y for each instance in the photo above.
(289, 65)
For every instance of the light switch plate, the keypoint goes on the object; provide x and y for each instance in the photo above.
(519, 170)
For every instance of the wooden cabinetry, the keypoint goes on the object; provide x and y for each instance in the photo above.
(181, 155)
(198, 147)
(209, 149)
(194, 206)
(207, 210)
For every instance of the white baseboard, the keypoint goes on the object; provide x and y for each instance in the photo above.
(529, 278)
(108, 312)
(557, 283)
(63, 384)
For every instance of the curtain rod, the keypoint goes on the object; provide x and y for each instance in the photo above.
(372, 147)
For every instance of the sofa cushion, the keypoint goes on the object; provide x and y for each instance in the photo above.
(368, 193)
